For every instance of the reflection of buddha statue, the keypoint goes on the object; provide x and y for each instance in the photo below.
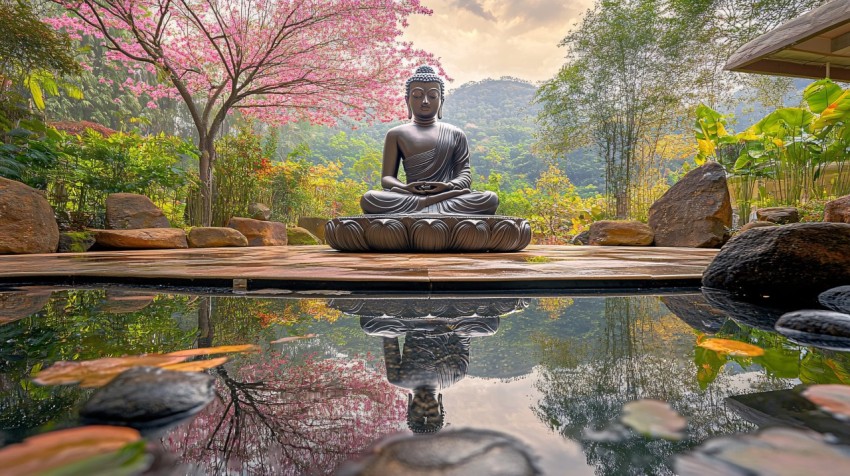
(435, 157)
(435, 356)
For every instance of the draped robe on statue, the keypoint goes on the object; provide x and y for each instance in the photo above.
(448, 162)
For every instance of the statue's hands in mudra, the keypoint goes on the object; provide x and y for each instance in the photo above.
(426, 188)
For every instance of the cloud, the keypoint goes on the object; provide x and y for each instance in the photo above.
(536, 13)
(475, 8)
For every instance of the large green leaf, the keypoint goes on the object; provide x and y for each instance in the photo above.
(820, 94)
(788, 121)
(838, 111)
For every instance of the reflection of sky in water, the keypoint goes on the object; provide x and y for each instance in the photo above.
(551, 372)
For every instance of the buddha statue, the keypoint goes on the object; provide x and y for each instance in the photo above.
(435, 157)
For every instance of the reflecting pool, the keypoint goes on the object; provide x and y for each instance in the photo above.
(553, 372)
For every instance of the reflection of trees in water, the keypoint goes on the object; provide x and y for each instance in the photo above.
(278, 417)
(298, 412)
(639, 351)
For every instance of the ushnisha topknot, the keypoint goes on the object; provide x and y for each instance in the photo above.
(425, 74)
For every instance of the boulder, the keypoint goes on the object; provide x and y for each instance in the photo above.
(582, 238)
(15, 305)
(695, 212)
(258, 211)
(789, 262)
(314, 225)
(465, 452)
(215, 236)
(779, 215)
(143, 239)
(696, 312)
(837, 299)
(27, 224)
(149, 398)
(260, 233)
(756, 224)
(296, 236)
(759, 314)
(131, 211)
(838, 210)
(75, 242)
(620, 233)
(827, 329)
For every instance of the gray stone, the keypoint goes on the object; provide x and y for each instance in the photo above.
(582, 238)
(462, 452)
(297, 236)
(258, 211)
(75, 242)
(778, 215)
(260, 233)
(130, 211)
(756, 224)
(27, 224)
(620, 233)
(827, 329)
(838, 210)
(215, 237)
(141, 239)
(695, 212)
(837, 299)
(695, 311)
(314, 225)
(795, 262)
(149, 397)
(754, 314)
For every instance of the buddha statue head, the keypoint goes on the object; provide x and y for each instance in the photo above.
(425, 92)
(425, 413)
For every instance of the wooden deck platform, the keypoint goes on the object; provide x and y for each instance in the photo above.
(319, 268)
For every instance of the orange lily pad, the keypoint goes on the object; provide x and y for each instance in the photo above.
(291, 339)
(223, 349)
(731, 347)
(196, 365)
(96, 373)
(834, 399)
(58, 449)
(654, 419)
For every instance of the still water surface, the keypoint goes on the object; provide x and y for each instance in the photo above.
(552, 372)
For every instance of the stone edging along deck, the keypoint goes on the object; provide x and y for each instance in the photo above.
(319, 268)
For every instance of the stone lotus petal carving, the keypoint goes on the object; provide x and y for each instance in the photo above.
(428, 233)
(435, 308)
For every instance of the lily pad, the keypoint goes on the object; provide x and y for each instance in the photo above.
(99, 372)
(774, 451)
(731, 347)
(224, 349)
(196, 365)
(834, 399)
(90, 450)
(654, 419)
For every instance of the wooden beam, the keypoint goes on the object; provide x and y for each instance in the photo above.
(785, 68)
(841, 44)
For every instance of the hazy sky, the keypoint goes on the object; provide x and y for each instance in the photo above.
(477, 39)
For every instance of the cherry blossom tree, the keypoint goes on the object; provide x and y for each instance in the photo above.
(275, 60)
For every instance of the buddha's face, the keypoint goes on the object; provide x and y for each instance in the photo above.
(424, 101)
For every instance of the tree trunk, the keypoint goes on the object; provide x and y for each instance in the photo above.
(207, 147)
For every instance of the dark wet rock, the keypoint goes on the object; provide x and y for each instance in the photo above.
(819, 328)
(260, 233)
(778, 215)
(620, 233)
(695, 212)
(695, 310)
(141, 239)
(314, 225)
(75, 242)
(258, 211)
(215, 237)
(772, 451)
(462, 452)
(791, 262)
(838, 210)
(837, 299)
(27, 224)
(756, 224)
(15, 305)
(582, 238)
(148, 398)
(297, 236)
(759, 315)
(130, 211)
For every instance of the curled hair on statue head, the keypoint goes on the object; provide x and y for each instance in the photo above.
(425, 74)
(422, 424)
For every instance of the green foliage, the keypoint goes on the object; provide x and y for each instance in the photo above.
(239, 175)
